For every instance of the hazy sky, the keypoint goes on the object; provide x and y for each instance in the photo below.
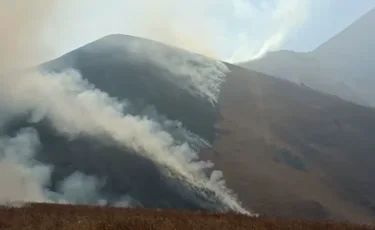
(234, 30)
(325, 21)
(231, 30)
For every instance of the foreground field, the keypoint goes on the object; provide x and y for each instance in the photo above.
(52, 216)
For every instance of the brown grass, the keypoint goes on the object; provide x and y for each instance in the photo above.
(74, 217)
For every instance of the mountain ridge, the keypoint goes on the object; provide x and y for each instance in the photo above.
(341, 66)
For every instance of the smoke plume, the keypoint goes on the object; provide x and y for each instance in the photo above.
(282, 20)
(234, 30)
(21, 178)
(74, 107)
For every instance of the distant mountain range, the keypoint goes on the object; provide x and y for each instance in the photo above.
(342, 66)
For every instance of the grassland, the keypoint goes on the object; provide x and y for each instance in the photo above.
(74, 217)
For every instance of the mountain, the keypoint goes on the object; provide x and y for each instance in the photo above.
(131, 122)
(342, 66)
(122, 128)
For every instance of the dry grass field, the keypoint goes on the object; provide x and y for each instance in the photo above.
(74, 217)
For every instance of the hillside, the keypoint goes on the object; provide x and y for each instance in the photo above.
(135, 131)
(306, 146)
(342, 66)
(44, 216)
(290, 151)
(125, 124)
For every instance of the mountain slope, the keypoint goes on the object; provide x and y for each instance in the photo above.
(123, 130)
(298, 153)
(355, 44)
(268, 132)
(342, 66)
(141, 76)
(284, 149)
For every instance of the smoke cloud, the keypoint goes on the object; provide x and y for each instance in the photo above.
(21, 178)
(24, 179)
(75, 107)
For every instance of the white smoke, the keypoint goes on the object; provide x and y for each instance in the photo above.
(201, 77)
(81, 188)
(74, 107)
(21, 178)
(287, 16)
(230, 30)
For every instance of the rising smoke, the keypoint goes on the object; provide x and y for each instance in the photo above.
(282, 20)
(74, 107)
(232, 30)
(21, 177)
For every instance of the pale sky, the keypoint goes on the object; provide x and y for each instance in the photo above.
(326, 21)
(234, 30)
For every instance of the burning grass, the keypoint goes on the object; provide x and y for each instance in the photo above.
(74, 217)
